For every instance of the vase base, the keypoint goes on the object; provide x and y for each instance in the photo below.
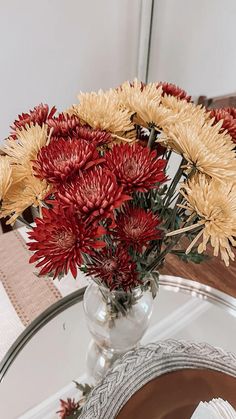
(99, 360)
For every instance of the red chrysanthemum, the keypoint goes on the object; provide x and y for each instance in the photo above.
(62, 159)
(229, 119)
(173, 90)
(136, 227)
(39, 115)
(136, 167)
(63, 125)
(93, 194)
(60, 239)
(115, 269)
(95, 136)
(68, 408)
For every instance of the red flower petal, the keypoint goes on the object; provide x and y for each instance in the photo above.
(60, 239)
(115, 269)
(229, 119)
(136, 167)
(40, 114)
(136, 227)
(93, 194)
(173, 90)
(63, 126)
(62, 159)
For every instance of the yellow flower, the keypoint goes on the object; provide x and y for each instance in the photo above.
(21, 195)
(214, 203)
(205, 148)
(144, 101)
(25, 148)
(5, 176)
(184, 111)
(102, 110)
(132, 95)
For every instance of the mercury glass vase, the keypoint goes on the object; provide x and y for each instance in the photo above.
(114, 331)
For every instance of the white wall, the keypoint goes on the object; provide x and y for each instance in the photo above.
(193, 45)
(50, 49)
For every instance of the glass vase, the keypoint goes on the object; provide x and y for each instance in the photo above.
(117, 322)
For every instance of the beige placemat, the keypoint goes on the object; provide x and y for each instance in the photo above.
(28, 294)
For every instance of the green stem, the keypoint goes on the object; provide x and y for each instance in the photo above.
(168, 154)
(175, 209)
(170, 246)
(152, 138)
(173, 185)
(174, 198)
(162, 255)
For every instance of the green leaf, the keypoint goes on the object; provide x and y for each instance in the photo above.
(83, 269)
(193, 256)
(84, 388)
(76, 414)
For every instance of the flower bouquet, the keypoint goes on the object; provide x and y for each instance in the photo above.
(99, 175)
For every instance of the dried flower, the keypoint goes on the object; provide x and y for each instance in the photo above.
(228, 116)
(135, 167)
(136, 227)
(68, 408)
(102, 110)
(64, 125)
(214, 203)
(205, 148)
(5, 176)
(173, 90)
(115, 269)
(62, 159)
(60, 239)
(94, 194)
(38, 115)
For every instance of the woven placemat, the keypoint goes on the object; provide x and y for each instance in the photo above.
(28, 294)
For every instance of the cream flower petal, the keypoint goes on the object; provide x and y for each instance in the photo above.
(205, 148)
(143, 100)
(5, 176)
(214, 203)
(102, 110)
(185, 111)
(21, 195)
(29, 141)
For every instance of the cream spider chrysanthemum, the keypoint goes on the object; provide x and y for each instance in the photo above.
(102, 110)
(185, 111)
(144, 101)
(205, 148)
(214, 203)
(132, 95)
(29, 141)
(151, 115)
(5, 176)
(21, 195)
